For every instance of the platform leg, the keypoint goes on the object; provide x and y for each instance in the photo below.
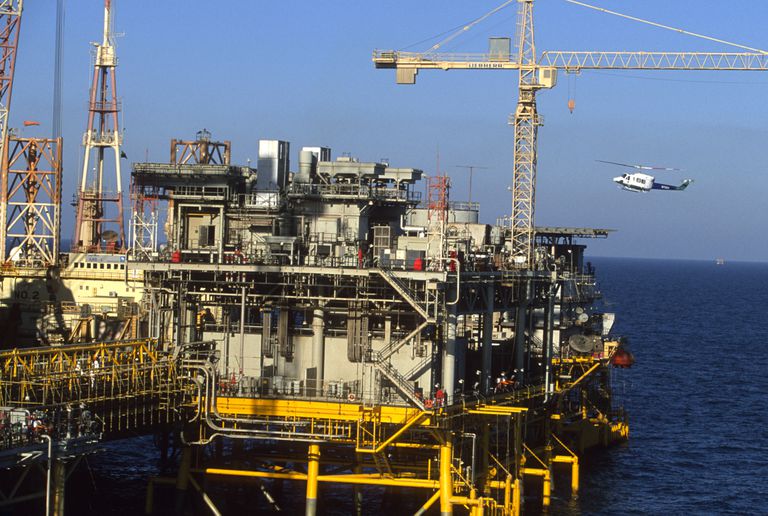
(313, 469)
(59, 481)
(446, 484)
(358, 491)
(575, 477)
(546, 490)
(182, 479)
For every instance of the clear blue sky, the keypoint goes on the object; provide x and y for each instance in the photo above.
(301, 71)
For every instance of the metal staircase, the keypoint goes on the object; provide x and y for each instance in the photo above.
(406, 293)
(401, 382)
(393, 347)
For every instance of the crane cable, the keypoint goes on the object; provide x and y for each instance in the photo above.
(468, 26)
(667, 27)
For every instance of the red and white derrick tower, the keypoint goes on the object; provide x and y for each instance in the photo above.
(99, 225)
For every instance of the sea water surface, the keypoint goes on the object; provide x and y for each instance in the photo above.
(697, 397)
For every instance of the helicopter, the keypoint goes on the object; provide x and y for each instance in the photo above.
(641, 182)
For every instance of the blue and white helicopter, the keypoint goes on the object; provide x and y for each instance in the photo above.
(641, 182)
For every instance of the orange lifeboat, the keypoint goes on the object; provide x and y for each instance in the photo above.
(622, 358)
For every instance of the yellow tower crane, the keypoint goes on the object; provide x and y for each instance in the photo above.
(540, 72)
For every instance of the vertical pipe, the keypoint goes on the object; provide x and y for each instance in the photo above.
(548, 334)
(318, 348)
(181, 304)
(507, 493)
(517, 498)
(446, 483)
(575, 477)
(48, 475)
(520, 326)
(488, 339)
(546, 490)
(313, 470)
(227, 321)
(242, 331)
(449, 355)
(221, 234)
(59, 482)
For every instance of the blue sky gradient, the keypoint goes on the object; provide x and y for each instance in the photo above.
(302, 71)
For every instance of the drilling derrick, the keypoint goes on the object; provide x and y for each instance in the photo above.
(97, 208)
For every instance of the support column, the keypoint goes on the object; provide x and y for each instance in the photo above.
(517, 500)
(488, 339)
(318, 349)
(546, 490)
(181, 316)
(446, 482)
(182, 479)
(358, 470)
(313, 470)
(548, 334)
(575, 477)
(449, 355)
(521, 319)
(59, 481)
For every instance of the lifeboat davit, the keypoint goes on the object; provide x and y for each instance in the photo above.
(622, 358)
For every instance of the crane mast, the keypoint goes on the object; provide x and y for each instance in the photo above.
(536, 73)
(10, 24)
(96, 208)
(526, 124)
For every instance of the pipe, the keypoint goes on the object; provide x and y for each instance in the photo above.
(473, 436)
(48, 475)
(318, 349)
(449, 356)
(429, 503)
(458, 280)
(207, 499)
(242, 331)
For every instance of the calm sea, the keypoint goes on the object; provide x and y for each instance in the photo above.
(697, 396)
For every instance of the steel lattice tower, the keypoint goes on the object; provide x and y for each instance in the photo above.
(96, 208)
(10, 23)
(437, 214)
(526, 124)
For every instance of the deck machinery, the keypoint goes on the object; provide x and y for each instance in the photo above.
(393, 335)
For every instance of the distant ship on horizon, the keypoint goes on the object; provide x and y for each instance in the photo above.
(720, 261)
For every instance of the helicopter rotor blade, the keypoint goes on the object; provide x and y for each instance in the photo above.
(638, 167)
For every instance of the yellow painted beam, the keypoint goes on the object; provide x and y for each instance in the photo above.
(373, 479)
(305, 409)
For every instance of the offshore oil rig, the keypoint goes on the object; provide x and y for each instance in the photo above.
(354, 327)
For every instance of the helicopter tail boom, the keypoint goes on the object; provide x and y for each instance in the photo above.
(680, 187)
